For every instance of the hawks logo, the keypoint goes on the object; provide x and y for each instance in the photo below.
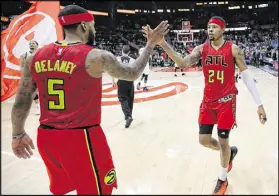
(17, 40)
(157, 90)
(110, 177)
(39, 23)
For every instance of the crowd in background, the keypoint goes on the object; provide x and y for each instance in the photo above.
(260, 45)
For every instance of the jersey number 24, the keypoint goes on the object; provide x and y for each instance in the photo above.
(219, 75)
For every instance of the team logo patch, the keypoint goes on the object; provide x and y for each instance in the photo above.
(157, 89)
(110, 177)
(39, 23)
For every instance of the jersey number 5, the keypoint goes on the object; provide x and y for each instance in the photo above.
(219, 74)
(51, 83)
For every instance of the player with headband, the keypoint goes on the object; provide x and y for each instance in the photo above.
(219, 57)
(68, 75)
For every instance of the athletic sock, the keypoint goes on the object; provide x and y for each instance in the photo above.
(223, 173)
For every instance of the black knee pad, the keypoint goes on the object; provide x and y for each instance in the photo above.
(206, 129)
(224, 133)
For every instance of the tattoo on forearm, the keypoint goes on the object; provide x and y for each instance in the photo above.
(240, 53)
(128, 72)
(191, 59)
(23, 101)
(176, 57)
(22, 105)
(187, 61)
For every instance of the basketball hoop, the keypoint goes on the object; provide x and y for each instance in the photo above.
(185, 37)
(186, 26)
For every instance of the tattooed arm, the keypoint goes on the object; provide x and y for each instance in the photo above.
(23, 100)
(186, 61)
(100, 60)
(238, 55)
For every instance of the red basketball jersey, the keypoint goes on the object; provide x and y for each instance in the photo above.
(69, 96)
(218, 69)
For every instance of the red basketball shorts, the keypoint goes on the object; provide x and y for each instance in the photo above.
(77, 159)
(221, 112)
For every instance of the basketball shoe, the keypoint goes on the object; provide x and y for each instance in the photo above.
(221, 187)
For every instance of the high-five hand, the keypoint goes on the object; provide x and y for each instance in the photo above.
(157, 35)
(147, 31)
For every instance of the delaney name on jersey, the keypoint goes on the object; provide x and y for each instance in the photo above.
(61, 66)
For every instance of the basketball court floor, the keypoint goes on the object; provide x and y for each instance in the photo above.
(160, 153)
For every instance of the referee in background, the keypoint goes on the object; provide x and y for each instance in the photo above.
(126, 89)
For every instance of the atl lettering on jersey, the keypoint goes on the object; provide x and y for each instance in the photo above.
(219, 71)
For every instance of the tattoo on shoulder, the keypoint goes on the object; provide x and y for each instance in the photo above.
(95, 58)
(240, 52)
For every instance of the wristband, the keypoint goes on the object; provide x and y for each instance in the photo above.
(19, 136)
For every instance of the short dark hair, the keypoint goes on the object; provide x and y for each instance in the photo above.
(71, 9)
(126, 49)
(219, 18)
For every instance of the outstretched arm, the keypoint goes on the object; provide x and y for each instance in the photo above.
(187, 60)
(23, 100)
(176, 57)
(100, 60)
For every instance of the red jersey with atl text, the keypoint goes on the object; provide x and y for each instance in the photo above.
(218, 69)
(69, 96)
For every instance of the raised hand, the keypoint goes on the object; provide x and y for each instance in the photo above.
(147, 31)
(157, 35)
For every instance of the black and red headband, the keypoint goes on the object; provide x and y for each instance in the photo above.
(75, 18)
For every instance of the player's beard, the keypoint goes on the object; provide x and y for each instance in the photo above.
(91, 38)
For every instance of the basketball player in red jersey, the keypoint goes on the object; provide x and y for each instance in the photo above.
(68, 76)
(219, 103)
